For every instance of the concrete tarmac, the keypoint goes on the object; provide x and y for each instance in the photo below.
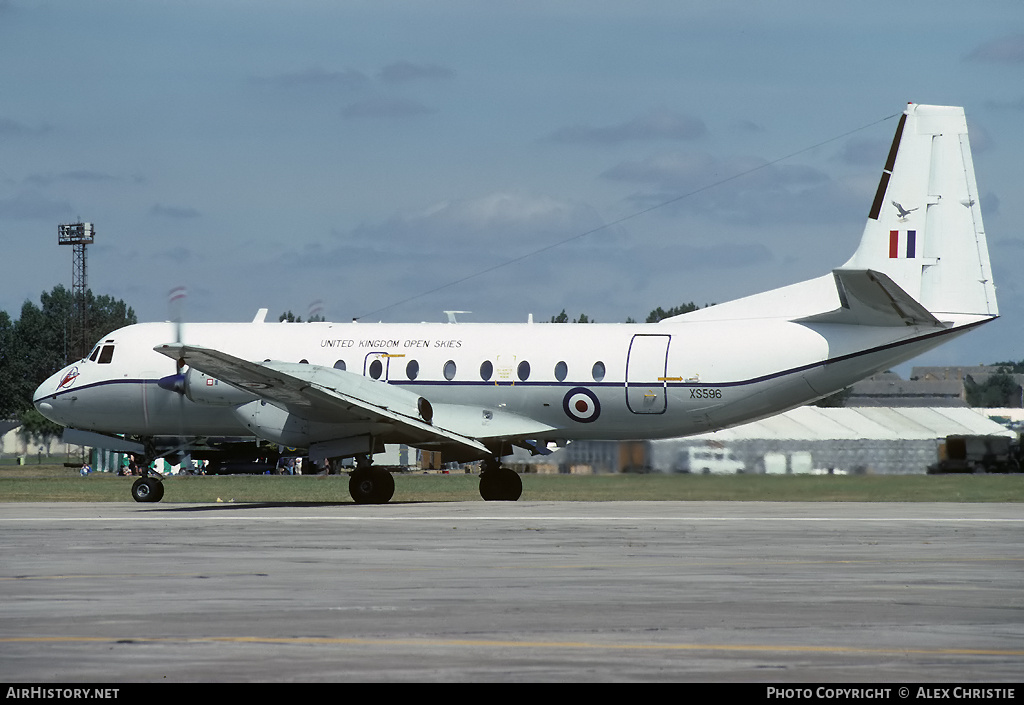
(524, 591)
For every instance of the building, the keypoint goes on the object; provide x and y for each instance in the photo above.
(889, 390)
(808, 439)
(17, 445)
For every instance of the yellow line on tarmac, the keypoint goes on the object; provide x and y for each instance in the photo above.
(503, 644)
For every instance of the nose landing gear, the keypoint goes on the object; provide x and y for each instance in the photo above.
(147, 489)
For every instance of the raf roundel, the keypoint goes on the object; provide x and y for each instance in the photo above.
(581, 404)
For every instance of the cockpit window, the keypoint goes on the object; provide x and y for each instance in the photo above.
(106, 354)
(95, 352)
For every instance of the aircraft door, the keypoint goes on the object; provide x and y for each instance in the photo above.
(646, 366)
(375, 366)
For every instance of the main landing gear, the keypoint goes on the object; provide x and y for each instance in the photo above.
(498, 484)
(370, 485)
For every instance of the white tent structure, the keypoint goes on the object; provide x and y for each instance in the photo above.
(858, 439)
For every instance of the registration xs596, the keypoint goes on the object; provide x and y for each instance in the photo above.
(705, 393)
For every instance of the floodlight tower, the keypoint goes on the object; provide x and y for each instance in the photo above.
(78, 235)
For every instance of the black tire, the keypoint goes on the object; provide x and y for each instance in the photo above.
(374, 486)
(500, 485)
(147, 489)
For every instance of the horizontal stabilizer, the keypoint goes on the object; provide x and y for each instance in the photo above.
(870, 298)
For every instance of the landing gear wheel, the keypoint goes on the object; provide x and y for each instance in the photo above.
(500, 485)
(371, 486)
(147, 489)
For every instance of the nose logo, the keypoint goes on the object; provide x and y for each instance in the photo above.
(69, 378)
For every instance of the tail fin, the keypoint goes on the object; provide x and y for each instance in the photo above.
(925, 229)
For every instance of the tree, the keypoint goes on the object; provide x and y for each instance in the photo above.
(40, 342)
(35, 427)
(564, 318)
(292, 318)
(105, 315)
(659, 313)
(999, 390)
(8, 399)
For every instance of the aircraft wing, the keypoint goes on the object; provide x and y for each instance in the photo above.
(320, 393)
(871, 298)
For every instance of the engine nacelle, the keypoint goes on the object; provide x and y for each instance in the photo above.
(276, 425)
(204, 389)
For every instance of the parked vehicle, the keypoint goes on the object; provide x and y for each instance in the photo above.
(979, 454)
(708, 461)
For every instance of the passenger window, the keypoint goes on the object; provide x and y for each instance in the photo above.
(486, 370)
(376, 369)
(598, 371)
(340, 365)
(561, 371)
(106, 354)
(523, 371)
(449, 370)
(412, 370)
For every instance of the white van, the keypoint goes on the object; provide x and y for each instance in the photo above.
(708, 461)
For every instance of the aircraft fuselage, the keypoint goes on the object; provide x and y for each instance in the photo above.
(566, 381)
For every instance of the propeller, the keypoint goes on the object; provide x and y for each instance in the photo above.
(176, 381)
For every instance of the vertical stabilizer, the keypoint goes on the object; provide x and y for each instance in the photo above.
(925, 230)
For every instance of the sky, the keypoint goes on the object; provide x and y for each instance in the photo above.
(390, 160)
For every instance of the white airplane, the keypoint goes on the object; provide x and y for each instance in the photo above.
(921, 276)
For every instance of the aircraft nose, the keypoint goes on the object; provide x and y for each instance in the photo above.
(45, 394)
(42, 398)
(43, 404)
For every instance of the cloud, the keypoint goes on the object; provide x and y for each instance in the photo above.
(15, 128)
(740, 190)
(661, 124)
(405, 72)
(32, 206)
(726, 255)
(506, 253)
(747, 125)
(384, 107)
(868, 152)
(369, 97)
(1014, 105)
(504, 223)
(981, 140)
(457, 253)
(1008, 49)
(75, 176)
(990, 204)
(176, 212)
(317, 77)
